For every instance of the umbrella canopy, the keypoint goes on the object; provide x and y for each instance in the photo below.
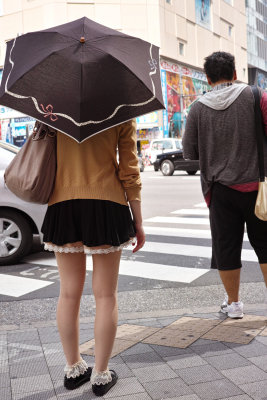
(81, 77)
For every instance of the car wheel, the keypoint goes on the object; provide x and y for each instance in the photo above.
(191, 172)
(167, 168)
(15, 237)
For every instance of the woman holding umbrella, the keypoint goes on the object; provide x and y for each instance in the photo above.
(88, 82)
(88, 214)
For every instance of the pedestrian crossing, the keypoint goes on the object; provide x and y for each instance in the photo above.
(177, 249)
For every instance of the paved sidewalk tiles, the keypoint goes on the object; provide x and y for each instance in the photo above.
(186, 358)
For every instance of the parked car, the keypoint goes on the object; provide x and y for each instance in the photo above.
(19, 220)
(159, 146)
(173, 161)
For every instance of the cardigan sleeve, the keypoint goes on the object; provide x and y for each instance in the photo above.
(129, 172)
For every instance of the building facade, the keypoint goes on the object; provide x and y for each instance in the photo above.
(185, 30)
(257, 42)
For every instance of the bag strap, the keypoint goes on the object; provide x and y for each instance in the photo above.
(259, 132)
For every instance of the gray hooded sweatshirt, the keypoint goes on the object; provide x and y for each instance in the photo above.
(220, 133)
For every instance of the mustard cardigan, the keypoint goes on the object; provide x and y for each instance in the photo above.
(90, 170)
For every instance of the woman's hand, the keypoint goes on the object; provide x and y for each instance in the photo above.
(140, 237)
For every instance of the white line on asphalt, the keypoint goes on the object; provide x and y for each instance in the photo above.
(191, 177)
(191, 211)
(179, 232)
(141, 269)
(179, 220)
(16, 286)
(160, 272)
(203, 204)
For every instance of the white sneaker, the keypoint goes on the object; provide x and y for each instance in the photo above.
(233, 310)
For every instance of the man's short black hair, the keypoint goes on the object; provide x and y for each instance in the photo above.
(220, 66)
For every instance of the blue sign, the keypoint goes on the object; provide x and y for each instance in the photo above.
(165, 113)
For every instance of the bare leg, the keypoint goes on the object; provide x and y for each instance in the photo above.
(105, 280)
(72, 270)
(231, 282)
(264, 272)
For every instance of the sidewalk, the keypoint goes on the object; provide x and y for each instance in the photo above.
(160, 355)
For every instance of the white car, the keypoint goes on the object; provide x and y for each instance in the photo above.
(159, 146)
(19, 220)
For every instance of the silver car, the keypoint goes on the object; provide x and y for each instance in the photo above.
(19, 221)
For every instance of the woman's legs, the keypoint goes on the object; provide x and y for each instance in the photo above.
(105, 279)
(72, 271)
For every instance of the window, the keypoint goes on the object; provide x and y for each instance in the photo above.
(230, 30)
(228, 1)
(181, 49)
(167, 145)
(178, 145)
(169, 1)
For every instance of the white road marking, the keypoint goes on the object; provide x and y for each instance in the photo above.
(180, 232)
(179, 220)
(190, 211)
(203, 204)
(141, 269)
(160, 272)
(16, 286)
(197, 177)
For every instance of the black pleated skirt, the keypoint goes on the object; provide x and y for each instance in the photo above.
(92, 222)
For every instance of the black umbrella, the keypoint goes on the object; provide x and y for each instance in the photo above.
(81, 77)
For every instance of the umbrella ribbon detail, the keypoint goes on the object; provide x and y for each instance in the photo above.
(48, 111)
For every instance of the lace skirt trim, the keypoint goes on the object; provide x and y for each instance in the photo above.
(85, 249)
(101, 378)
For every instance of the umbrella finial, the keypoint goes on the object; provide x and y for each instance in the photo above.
(82, 40)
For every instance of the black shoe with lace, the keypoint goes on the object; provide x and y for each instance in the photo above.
(100, 390)
(74, 383)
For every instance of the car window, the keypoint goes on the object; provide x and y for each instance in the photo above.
(178, 145)
(157, 145)
(167, 145)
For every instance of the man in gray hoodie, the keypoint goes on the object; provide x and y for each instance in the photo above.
(220, 132)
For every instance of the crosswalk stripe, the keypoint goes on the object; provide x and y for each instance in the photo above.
(16, 286)
(180, 232)
(189, 250)
(158, 271)
(203, 205)
(141, 269)
(179, 220)
(190, 211)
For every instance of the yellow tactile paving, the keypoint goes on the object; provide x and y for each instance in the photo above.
(127, 336)
(134, 332)
(193, 325)
(186, 330)
(119, 346)
(173, 338)
(264, 332)
(248, 321)
(231, 334)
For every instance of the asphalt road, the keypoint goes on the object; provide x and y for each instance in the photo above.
(171, 271)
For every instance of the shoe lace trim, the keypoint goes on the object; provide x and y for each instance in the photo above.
(75, 370)
(100, 378)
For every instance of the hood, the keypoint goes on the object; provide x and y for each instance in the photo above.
(221, 99)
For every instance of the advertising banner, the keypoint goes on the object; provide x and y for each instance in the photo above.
(165, 98)
(181, 87)
(203, 13)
